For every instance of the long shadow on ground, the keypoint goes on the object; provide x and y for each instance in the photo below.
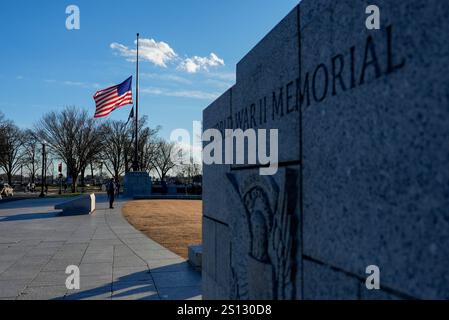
(141, 284)
(30, 216)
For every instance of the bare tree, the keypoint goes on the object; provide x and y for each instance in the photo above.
(146, 145)
(49, 166)
(128, 153)
(11, 151)
(2, 136)
(129, 147)
(190, 171)
(73, 136)
(31, 153)
(164, 159)
(116, 140)
(148, 148)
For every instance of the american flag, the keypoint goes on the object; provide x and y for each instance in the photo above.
(109, 99)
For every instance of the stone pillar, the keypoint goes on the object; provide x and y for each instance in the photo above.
(363, 123)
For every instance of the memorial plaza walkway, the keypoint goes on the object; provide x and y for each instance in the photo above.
(115, 260)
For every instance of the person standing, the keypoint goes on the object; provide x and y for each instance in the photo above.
(110, 188)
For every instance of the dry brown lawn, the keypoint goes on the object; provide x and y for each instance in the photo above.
(175, 224)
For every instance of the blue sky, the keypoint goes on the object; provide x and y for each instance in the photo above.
(189, 53)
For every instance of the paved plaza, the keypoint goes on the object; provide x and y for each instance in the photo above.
(116, 261)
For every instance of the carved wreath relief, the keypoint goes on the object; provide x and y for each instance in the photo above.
(262, 259)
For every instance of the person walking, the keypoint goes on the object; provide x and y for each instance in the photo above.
(110, 188)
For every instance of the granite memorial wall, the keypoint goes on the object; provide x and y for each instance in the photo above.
(363, 179)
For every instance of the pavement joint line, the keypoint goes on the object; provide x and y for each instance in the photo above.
(112, 273)
(7, 269)
(84, 253)
(121, 240)
(44, 266)
(74, 239)
(146, 263)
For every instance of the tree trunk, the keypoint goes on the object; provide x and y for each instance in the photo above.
(9, 174)
(82, 177)
(74, 182)
(83, 185)
(126, 163)
(91, 171)
(33, 172)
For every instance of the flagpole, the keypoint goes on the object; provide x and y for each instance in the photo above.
(136, 145)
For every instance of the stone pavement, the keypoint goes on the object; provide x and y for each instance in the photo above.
(116, 261)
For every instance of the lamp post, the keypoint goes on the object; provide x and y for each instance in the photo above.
(43, 171)
(52, 170)
(60, 178)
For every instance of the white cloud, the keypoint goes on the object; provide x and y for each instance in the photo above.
(223, 85)
(226, 76)
(193, 94)
(195, 64)
(166, 77)
(74, 83)
(220, 80)
(81, 84)
(158, 53)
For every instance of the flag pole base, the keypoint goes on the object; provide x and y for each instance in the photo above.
(137, 184)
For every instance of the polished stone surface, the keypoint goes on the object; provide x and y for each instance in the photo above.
(84, 204)
(363, 123)
(376, 150)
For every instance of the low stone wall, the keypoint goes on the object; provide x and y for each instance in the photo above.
(85, 204)
(363, 120)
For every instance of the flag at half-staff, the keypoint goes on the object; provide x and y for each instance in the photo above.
(109, 99)
(131, 115)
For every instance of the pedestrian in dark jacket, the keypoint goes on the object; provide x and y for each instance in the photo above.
(110, 188)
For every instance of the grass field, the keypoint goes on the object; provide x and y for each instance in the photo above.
(175, 224)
